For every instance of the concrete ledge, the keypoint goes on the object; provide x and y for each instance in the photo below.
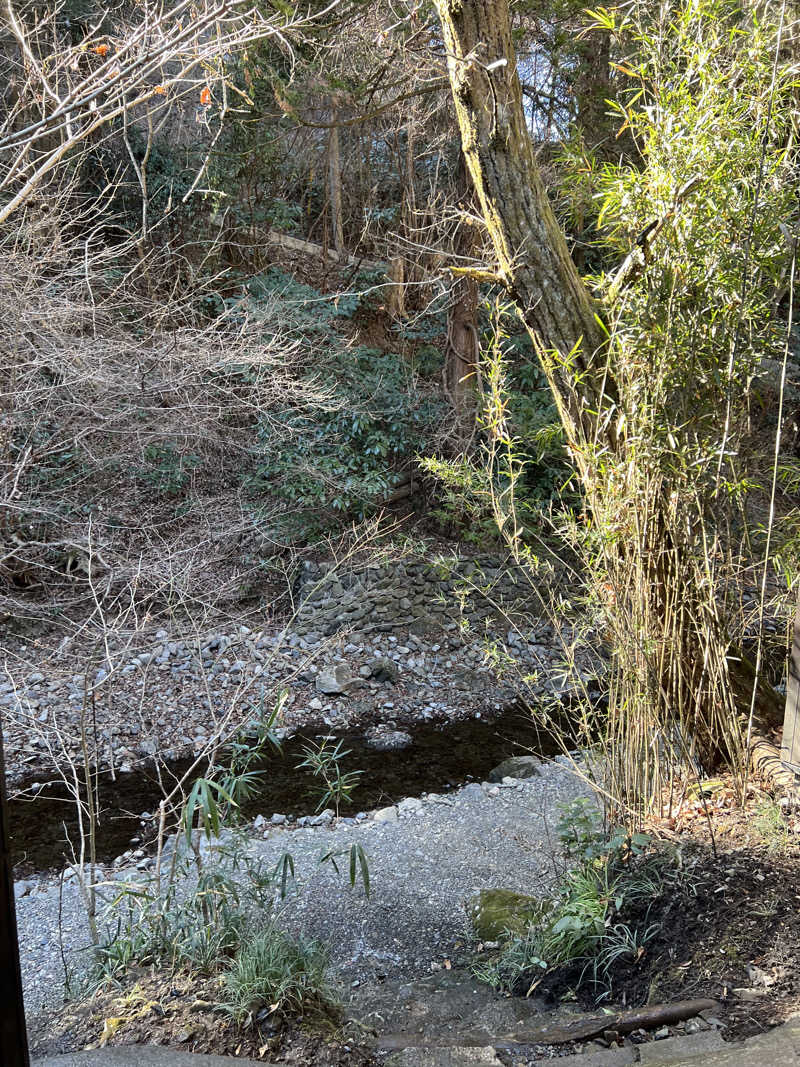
(444, 1057)
(141, 1056)
(603, 1057)
(676, 1049)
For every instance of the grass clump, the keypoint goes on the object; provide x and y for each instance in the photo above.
(279, 974)
(206, 929)
(771, 826)
(601, 918)
(196, 922)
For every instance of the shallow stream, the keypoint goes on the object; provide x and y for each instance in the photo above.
(438, 758)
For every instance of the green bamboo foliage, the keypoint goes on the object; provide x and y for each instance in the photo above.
(703, 223)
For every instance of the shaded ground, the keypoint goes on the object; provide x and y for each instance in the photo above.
(179, 1011)
(424, 858)
(730, 932)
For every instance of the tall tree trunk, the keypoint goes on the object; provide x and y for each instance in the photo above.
(533, 258)
(461, 355)
(335, 183)
(463, 348)
(592, 90)
(396, 290)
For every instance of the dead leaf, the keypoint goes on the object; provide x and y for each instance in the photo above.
(110, 1027)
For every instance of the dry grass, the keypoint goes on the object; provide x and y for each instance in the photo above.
(127, 424)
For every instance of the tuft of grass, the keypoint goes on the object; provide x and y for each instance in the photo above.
(602, 915)
(279, 974)
(770, 825)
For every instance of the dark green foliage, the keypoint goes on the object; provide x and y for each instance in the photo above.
(166, 470)
(348, 457)
(601, 914)
(343, 452)
(53, 464)
(535, 425)
(170, 172)
(427, 361)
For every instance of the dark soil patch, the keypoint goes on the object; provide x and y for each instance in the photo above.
(734, 926)
(730, 930)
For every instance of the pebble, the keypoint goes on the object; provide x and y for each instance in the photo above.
(321, 819)
(385, 814)
(473, 789)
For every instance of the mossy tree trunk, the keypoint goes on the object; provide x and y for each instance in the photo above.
(463, 346)
(532, 254)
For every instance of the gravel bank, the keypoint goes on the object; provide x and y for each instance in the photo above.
(426, 857)
(178, 693)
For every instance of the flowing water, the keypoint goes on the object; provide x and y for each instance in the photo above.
(438, 758)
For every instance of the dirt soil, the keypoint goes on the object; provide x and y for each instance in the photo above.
(731, 931)
(181, 1011)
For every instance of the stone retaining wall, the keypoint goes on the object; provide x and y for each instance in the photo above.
(419, 595)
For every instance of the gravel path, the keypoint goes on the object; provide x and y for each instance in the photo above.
(425, 856)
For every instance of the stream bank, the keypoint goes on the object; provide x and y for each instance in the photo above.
(391, 765)
(425, 859)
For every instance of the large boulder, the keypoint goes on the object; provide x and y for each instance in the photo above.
(334, 680)
(499, 913)
(516, 767)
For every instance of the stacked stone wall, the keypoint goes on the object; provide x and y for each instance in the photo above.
(420, 595)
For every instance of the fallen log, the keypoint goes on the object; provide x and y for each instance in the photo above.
(582, 1028)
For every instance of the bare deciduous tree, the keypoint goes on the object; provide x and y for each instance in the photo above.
(64, 96)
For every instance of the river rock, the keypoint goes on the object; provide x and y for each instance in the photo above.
(409, 806)
(496, 913)
(382, 669)
(385, 740)
(385, 814)
(322, 819)
(515, 767)
(334, 680)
